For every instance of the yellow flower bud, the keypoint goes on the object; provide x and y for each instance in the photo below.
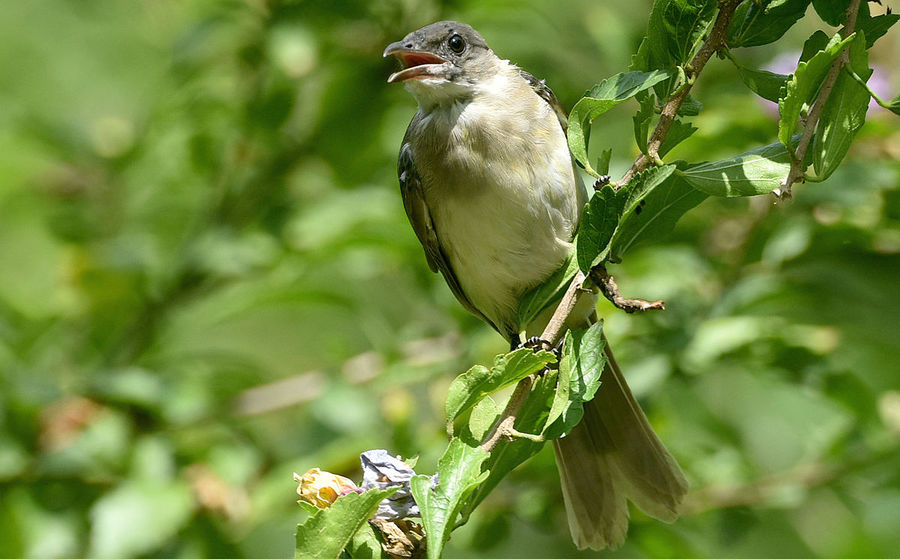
(322, 488)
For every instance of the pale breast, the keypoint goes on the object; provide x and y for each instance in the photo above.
(502, 192)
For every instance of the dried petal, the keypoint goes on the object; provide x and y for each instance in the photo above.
(383, 471)
(323, 488)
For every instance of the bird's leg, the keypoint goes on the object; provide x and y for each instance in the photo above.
(536, 343)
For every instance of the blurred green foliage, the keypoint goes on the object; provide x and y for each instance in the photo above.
(208, 282)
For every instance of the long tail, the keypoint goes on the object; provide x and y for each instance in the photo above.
(613, 454)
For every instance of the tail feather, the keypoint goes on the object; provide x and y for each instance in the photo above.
(613, 454)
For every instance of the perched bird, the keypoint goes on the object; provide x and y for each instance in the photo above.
(492, 193)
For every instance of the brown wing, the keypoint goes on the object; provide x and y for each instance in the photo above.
(544, 92)
(420, 219)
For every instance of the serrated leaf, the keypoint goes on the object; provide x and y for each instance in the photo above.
(760, 23)
(326, 534)
(844, 112)
(832, 12)
(599, 99)
(508, 455)
(580, 374)
(803, 85)
(756, 172)
(476, 383)
(459, 473)
(598, 223)
(677, 29)
(538, 299)
(653, 214)
(679, 131)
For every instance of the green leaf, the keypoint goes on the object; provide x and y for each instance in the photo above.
(844, 112)
(690, 107)
(598, 223)
(816, 42)
(137, 517)
(326, 534)
(893, 105)
(508, 455)
(580, 374)
(766, 84)
(677, 29)
(538, 299)
(803, 85)
(642, 119)
(756, 172)
(483, 417)
(832, 12)
(459, 473)
(476, 383)
(874, 27)
(652, 212)
(679, 131)
(366, 544)
(603, 161)
(599, 99)
(760, 23)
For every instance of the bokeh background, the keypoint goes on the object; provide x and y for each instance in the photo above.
(207, 282)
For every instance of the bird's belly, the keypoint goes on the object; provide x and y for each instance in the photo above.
(502, 239)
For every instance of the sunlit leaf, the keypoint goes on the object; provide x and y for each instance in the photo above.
(844, 112)
(580, 375)
(802, 86)
(601, 98)
(325, 534)
(508, 455)
(756, 172)
(476, 383)
(459, 473)
(655, 203)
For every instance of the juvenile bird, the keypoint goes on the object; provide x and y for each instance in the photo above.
(493, 195)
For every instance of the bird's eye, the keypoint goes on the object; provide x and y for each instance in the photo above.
(456, 44)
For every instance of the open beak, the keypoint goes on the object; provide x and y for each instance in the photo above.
(416, 63)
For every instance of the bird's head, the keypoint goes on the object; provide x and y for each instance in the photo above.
(442, 60)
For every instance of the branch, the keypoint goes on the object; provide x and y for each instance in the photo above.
(798, 170)
(611, 291)
(716, 40)
(580, 286)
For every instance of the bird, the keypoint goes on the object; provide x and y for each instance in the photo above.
(493, 195)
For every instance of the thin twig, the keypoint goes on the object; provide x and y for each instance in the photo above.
(504, 428)
(669, 113)
(798, 169)
(610, 290)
